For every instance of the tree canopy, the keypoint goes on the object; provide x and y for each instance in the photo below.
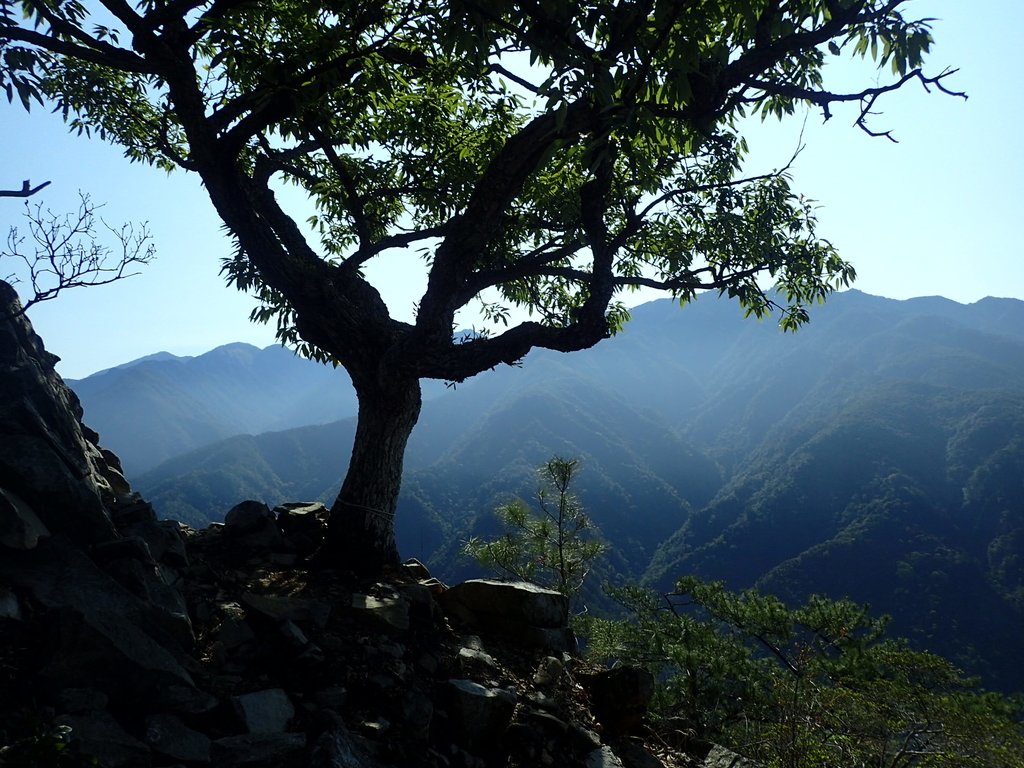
(540, 155)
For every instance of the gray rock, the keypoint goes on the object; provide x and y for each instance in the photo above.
(421, 600)
(337, 748)
(331, 698)
(635, 756)
(470, 656)
(167, 735)
(417, 714)
(511, 600)
(166, 604)
(304, 525)
(720, 757)
(267, 711)
(301, 509)
(293, 608)
(101, 736)
(547, 638)
(164, 538)
(584, 738)
(247, 517)
(416, 569)
(20, 528)
(620, 696)
(293, 635)
(519, 611)
(105, 637)
(131, 547)
(255, 526)
(603, 758)
(10, 608)
(127, 511)
(234, 631)
(79, 701)
(549, 670)
(185, 700)
(389, 611)
(480, 714)
(109, 652)
(256, 749)
(548, 722)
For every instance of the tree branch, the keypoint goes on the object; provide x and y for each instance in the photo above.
(67, 252)
(27, 190)
(102, 53)
(868, 96)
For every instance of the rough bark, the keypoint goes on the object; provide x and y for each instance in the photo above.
(361, 532)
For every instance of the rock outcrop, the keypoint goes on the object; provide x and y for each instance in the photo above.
(48, 465)
(86, 570)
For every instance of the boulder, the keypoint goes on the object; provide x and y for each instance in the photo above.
(620, 696)
(254, 526)
(105, 636)
(248, 517)
(720, 757)
(416, 569)
(511, 600)
(518, 610)
(264, 749)
(481, 714)
(549, 670)
(81, 701)
(267, 711)
(283, 607)
(304, 525)
(602, 758)
(10, 608)
(336, 748)
(390, 611)
(168, 736)
(635, 756)
(99, 735)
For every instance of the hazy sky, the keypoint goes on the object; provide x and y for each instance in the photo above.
(936, 214)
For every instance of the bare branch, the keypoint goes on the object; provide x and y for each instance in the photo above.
(66, 251)
(27, 190)
(867, 97)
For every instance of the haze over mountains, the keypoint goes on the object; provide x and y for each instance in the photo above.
(878, 453)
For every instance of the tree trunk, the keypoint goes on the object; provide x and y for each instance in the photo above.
(361, 529)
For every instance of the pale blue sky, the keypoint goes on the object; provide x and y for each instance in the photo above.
(936, 214)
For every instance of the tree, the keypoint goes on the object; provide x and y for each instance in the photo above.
(611, 161)
(815, 686)
(556, 548)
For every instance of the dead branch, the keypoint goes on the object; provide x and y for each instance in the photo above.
(27, 190)
(65, 251)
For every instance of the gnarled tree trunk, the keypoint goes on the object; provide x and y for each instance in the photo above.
(361, 532)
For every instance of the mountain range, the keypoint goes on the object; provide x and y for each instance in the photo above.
(878, 453)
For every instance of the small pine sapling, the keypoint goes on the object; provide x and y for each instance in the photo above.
(554, 549)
